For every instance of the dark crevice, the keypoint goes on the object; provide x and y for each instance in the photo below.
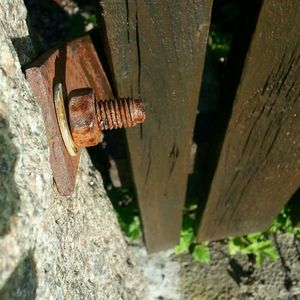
(141, 131)
(281, 64)
(267, 134)
(282, 78)
(266, 85)
(114, 146)
(273, 141)
(149, 161)
(97, 38)
(127, 21)
(270, 108)
(241, 41)
(148, 170)
(219, 83)
(102, 46)
(292, 86)
(294, 204)
(241, 27)
(138, 47)
(172, 167)
(250, 134)
(230, 186)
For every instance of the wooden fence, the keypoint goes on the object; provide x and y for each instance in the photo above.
(156, 50)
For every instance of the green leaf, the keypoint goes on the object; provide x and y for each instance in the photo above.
(297, 232)
(187, 237)
(257, 244)
(283, 222)
(91, 19)
(133, 229)
(201, 253)
(272, 253)
(259, 259)
(269, 252)
(238, 245)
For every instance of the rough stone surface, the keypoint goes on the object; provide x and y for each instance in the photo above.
(51, 247)
(171, 277)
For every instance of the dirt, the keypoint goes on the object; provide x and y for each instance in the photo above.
(171, 277)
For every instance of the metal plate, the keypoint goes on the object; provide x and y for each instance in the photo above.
(75, 65)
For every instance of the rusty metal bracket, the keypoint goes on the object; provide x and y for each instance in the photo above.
(75, 66)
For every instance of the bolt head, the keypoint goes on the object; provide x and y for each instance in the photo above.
(83, 118)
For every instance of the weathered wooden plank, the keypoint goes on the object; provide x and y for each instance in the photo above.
(156, 51)
(259, 166)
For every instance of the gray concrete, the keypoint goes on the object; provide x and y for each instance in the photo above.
(171, 277)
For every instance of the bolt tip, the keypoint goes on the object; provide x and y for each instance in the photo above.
(139, 115)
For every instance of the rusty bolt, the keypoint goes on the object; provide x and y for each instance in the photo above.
(88, 116)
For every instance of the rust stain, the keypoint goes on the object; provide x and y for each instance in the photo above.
(77, 66)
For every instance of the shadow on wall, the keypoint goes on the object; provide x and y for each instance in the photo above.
(9, 197)
(22, 283)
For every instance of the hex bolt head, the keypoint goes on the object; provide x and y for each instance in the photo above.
(88, 116)
(83, 118)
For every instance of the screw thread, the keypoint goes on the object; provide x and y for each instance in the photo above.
(118, 113)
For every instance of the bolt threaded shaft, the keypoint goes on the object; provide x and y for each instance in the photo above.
(118, 113)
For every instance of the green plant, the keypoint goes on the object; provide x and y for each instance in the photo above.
(188, 244)
(133, 229)
(201, 253)
(219, 43)
(127, 211)
(283, 223)
(78, 23)
(260, 245)
(223, 25)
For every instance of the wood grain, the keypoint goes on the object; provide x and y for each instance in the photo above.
(259, 166)
(156, 50)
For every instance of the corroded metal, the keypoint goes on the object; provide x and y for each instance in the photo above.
(121, 112)
(83, 118)
(77, 66)
(88, 117)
